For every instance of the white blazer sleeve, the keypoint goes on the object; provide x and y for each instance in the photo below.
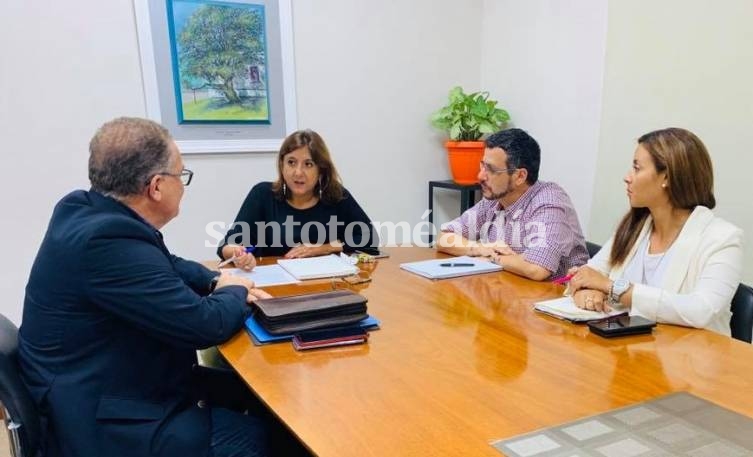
(718, 278)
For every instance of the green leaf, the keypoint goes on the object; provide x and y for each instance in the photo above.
(487, 127)
(455, 131)
(467, 117)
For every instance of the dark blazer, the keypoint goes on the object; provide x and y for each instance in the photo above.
(110, 329)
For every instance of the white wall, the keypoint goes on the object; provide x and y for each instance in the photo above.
(369, 74)
(544, 61)
(686, 64)
(67, 67)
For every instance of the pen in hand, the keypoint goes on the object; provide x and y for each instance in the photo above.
(562, 279)
(456, 264)
(222, 263)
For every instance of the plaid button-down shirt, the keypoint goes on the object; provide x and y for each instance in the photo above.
(541, 225)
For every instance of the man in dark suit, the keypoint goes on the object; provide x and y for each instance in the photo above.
(112, 320)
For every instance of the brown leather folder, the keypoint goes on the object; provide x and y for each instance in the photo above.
(298, 313)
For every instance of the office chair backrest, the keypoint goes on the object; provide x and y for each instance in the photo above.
(592, 248)
(741, 323)
(24, 427)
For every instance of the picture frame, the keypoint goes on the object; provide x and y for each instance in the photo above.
(162, 86)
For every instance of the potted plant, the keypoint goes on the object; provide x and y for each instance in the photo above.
(466, 118)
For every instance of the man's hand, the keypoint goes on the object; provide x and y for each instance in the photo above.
(226, 279)
(517, 263)
(254, 294)
(499, 255)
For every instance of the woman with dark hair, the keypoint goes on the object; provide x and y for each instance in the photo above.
(307, 212)
(670, 260)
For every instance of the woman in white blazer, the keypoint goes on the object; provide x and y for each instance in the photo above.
(670, 260)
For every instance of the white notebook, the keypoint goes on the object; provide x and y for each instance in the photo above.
(451, 267)
(328, 266)
(265, 275)
(565, 308)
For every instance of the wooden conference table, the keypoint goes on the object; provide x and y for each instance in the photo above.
(461, 362)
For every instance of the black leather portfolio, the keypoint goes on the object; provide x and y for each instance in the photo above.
(298, 313)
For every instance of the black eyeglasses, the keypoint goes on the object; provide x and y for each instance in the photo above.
(492, 170)
(185, 176)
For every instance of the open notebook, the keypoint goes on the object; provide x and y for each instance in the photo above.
(565, 308)
(327, 266)
(451, 267)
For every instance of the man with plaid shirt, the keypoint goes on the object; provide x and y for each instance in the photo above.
(526, 225)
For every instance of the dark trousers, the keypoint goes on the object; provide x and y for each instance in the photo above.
(241, 424)
(238, 435)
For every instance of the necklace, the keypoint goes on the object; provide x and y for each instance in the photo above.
(657, 267)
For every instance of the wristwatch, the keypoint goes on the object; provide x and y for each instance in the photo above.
(213, 283)
(619, 287)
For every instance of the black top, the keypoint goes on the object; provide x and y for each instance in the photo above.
(274, 227)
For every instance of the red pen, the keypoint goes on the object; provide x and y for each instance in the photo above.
(562, 279)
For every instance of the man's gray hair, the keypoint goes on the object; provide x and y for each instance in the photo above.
(125, 153)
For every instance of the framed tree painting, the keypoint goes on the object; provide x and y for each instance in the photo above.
(219, 74)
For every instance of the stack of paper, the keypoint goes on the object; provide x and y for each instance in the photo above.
(328, 266)
(450, 267)
(565, 308)
(265, 275)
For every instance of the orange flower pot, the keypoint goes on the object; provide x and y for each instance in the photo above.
(464, 158)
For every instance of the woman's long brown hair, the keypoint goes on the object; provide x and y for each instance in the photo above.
(690, 182)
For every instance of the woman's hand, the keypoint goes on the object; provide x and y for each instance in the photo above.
(586, 277)
(242, 259)
(592, 300)
(310, 250)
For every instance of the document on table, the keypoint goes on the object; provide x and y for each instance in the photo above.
(565, 308)
(265, 275)
(327, 266)
(450, 267)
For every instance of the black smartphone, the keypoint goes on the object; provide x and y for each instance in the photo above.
(621, 326)
(329, 337)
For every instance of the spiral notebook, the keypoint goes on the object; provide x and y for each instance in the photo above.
(565, 308)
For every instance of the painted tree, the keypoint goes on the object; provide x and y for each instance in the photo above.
(218, 43)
